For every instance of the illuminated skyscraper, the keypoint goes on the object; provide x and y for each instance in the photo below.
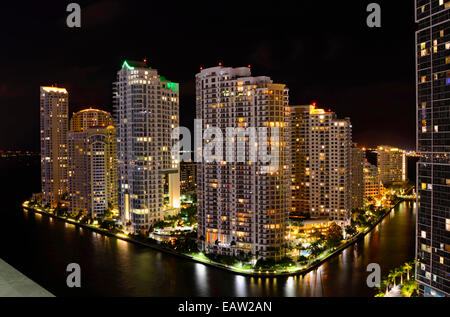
(372, 183)
(391, 164)
(322, 159)
(300, 203)
(433, 142)
(92, 174)
(188, 180)
(146, 109)
(87, 118)
(242, 206)
(54, 104)
(358, 157)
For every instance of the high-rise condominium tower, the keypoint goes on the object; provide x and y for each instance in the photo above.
(92, 172)
(87, 118)
(242, 206)
(146, 109)
(391, 163)
(372, 184)
(433, 142)
(54, 107)
(188, 179)
(300, 200)
(358, 157)
(321, 159)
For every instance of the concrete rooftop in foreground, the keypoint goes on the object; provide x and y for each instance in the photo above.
(15, 284)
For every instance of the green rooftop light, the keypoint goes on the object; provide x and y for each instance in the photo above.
(128, 66)
(173, 86)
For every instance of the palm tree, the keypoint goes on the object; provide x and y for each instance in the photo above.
(386, 283)
(401, 271)
(397, 272)
(392, 276)
(407, 267)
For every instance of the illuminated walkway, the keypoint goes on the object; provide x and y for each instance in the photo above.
(394, 292)
(15, 284)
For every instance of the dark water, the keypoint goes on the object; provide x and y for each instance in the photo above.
(41, 248)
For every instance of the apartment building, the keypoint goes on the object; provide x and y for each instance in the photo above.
(358, 158)
(391, 162)
(92, 163)
(146, 110)
(243, 205)
(373, 187)
(54, 108)
(322, 160)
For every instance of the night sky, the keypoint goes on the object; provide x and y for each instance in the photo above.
(322, 50)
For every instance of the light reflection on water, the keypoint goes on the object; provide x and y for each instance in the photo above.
(42, 247)
(114, 267)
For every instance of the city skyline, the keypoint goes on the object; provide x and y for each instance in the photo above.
(315, 71)
(213, 149)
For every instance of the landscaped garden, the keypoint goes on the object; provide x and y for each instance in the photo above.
(399, 282)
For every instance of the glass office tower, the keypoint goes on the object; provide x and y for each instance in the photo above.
(433, 143)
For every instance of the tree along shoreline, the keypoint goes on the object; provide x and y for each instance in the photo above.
(201, 258)
(407, 286)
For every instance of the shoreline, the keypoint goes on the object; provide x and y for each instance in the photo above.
(217, 265)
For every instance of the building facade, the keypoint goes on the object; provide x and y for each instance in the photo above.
(322, 159)
(433, 143)
(358, 158)
(84, 119)
(243, 205)
(391, 163)
(146, 109)
(300, 199)
(188, 179)
(92, 172)
(373, 188)
(54, 108)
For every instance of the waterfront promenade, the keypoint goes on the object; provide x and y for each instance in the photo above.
(201, 258)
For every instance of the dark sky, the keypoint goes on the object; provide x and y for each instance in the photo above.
(322, 50)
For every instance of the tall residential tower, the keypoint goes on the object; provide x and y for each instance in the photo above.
(322, 160)
(358, 158)
(243, 207)
(146, 109)
(92, 172)
(54, 108)
(391, 163)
